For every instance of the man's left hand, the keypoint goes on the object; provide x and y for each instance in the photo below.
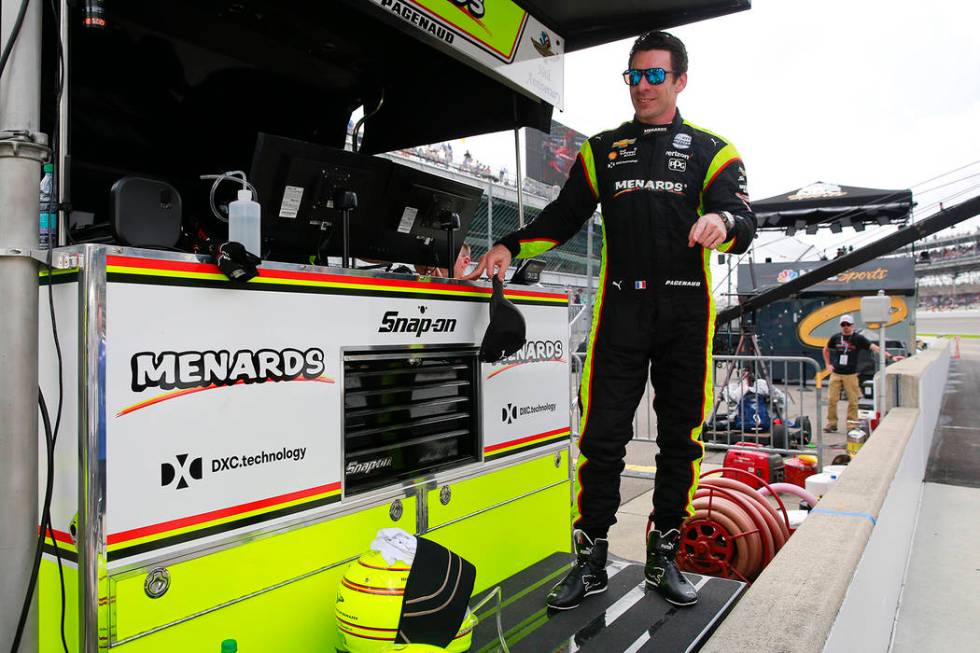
(709, 231)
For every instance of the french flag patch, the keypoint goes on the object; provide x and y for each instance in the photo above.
(639, 285)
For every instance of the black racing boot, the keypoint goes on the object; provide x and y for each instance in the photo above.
(588, 574)
(661, 571)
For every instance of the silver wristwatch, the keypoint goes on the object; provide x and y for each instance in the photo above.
(728, 219)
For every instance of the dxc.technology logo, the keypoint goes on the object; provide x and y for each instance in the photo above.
(183, 471)
(509, 414)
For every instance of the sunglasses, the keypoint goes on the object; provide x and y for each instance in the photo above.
(844, 324)
(655, 76)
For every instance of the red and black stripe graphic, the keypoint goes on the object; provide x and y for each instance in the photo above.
(201, 275)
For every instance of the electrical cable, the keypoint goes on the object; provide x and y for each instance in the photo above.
(54, 440)
(45, 517)
(236, 176)
(14, 33)
(355, 146)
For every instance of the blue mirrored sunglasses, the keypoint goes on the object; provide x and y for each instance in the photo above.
(654, 76)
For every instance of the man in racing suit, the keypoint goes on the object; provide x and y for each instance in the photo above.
(671, 192)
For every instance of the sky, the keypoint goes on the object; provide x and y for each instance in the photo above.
(875, 93)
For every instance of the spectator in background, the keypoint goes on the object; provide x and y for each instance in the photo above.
(840, 355)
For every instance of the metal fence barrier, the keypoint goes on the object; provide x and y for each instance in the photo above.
(754, 399)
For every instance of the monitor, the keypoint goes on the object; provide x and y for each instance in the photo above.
(398, 216)
(297, 183)
(411, 229)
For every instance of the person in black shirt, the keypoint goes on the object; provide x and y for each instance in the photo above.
(840, 354)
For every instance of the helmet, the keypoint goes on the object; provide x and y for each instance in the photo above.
(369, 608)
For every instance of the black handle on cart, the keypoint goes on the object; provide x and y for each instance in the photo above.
(507, 331)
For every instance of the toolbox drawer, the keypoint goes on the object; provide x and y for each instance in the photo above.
(219, 578)
(472, 495)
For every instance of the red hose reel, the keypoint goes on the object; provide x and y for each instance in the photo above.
(735, 531)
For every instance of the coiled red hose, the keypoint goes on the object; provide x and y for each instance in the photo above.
(735, 531)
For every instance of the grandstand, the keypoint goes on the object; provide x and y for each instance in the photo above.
(947, 270)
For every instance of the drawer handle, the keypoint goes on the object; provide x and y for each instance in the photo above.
(157, 582)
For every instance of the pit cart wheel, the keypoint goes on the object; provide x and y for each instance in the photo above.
(780, 439)
(706, 547)
(806, 429)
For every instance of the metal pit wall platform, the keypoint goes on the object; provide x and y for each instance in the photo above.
(627, 617)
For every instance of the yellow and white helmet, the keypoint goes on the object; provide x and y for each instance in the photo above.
(369, 608)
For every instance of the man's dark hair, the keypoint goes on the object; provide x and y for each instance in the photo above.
(662, 41)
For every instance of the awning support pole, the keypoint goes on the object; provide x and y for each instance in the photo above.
(22, 150)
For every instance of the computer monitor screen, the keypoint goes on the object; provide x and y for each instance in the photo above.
(399, 211)
(418, 205)
(298, 183)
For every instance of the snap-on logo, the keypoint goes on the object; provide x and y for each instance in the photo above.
(630, 185)
(368, 466)
(392, 322)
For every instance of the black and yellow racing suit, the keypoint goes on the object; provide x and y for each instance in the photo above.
(654, 308)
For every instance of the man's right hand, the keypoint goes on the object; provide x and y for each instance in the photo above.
(496, 261)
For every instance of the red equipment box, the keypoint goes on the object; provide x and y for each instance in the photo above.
(797, 470)
(767, 466)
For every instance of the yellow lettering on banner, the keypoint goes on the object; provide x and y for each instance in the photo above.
(865, 275)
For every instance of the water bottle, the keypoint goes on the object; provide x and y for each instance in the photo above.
(245, 222)
(48, 222)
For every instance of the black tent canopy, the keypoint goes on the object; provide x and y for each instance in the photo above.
(585, 23)
(835, 206)
(176, 88)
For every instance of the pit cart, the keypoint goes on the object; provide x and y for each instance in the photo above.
(240, 444)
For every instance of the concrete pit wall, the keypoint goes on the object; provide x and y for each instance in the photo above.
(835, 586)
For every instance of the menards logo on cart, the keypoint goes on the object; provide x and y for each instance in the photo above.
(180, 373)
(189, 369)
